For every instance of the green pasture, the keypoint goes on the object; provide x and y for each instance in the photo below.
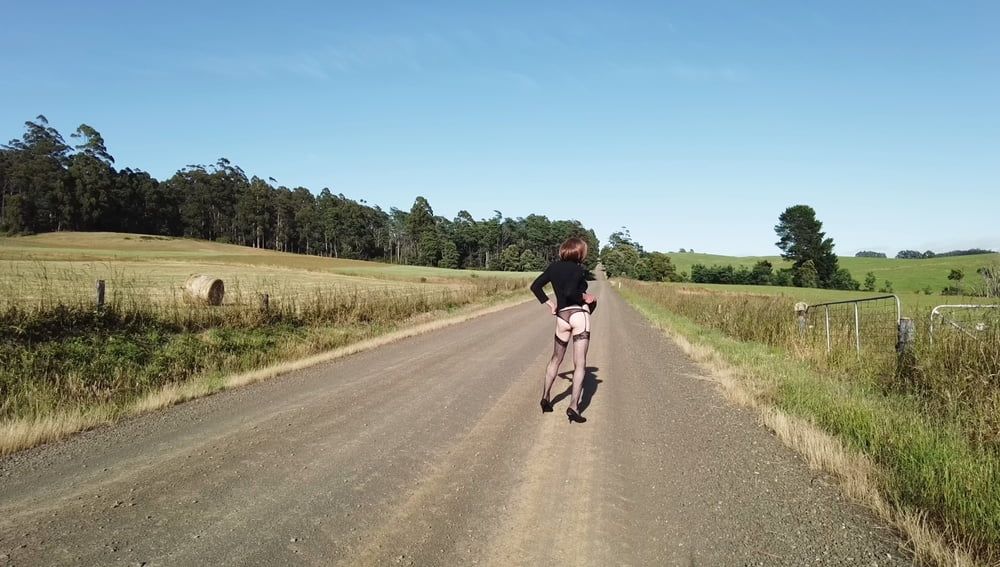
(913, 304)
(907, 276)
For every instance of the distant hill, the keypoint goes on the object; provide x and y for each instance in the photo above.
(905, 275)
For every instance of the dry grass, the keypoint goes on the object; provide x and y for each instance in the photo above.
(135, 250)
(63, 267)
(65, 365)
(860, 478)
(956, 377)
(162, 281)
(19, 434)
(22, 434)
(55, 355)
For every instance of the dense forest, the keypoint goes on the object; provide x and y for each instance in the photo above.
(48, 185)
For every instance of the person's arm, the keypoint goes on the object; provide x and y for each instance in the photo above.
(536, 288)
(538, 284)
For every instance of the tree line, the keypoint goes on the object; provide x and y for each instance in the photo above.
(917, 255)
(48, 185)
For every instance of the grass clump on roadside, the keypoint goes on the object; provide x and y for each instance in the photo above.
(930, 432)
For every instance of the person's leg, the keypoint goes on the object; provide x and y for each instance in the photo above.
(560, 343)
(580, 323)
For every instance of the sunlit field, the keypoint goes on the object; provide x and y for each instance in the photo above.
(61, 355)
(907, 276)
(913, 304)
(66, 265)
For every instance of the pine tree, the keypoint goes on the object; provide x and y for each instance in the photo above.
(802, 240)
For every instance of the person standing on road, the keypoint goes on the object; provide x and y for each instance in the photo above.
(572, 308)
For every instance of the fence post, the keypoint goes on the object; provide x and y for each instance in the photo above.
(829, 347)
(800, 316)
(857, 329)
(907, 360)
(906, 337)
(100, 294)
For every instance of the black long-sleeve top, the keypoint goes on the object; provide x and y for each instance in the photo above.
(568, 281)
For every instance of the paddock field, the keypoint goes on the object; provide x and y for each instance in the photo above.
(64, 266)
(907, 276)
(913, 304)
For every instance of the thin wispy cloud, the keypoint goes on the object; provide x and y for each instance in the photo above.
(412, 52)
(323, 62)
(527, 40)
(512, 80)
(687, 72)
(706, 73)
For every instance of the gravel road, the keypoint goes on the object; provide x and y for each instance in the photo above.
(432, 451)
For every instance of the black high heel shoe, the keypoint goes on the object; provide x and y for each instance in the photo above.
(573, 416)
(546, 405)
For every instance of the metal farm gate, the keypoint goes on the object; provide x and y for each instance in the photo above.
(865, 323)
(975, 321)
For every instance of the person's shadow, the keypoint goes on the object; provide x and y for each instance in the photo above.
(590, 382)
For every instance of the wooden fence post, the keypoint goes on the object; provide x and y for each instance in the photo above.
(800, 316)
(907, 335)
(100, 294)
(906, 365)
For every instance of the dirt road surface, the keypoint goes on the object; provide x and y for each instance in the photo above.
(433, 451)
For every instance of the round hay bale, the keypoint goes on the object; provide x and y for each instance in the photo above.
(205, 289)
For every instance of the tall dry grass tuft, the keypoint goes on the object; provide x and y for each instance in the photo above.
(20, 434)
(958, 377)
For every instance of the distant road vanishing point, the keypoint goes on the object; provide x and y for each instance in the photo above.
(432, 451)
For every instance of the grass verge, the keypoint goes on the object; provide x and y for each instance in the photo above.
(916, 473)
(68, 371)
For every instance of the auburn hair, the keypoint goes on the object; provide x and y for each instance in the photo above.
(573, 250)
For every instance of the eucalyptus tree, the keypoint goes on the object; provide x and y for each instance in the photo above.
(93, 174)
(38, 194)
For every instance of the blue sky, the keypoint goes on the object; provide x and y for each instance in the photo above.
(694, 124)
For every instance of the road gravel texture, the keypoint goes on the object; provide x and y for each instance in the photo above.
(433, 451)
